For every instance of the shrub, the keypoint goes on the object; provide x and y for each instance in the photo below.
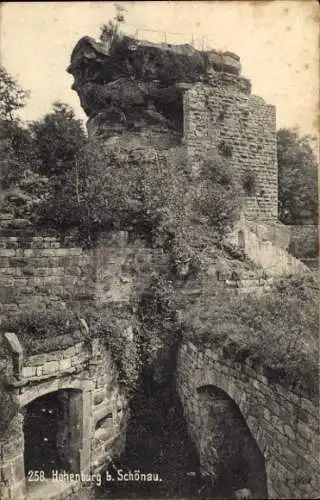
(110, 323)
(116, 187)
(111, 31)
(159, 324)
(217, 197)
(57, 139)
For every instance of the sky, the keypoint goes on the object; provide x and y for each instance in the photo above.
(276, 40)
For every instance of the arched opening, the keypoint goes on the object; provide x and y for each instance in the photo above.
(53, 434)
(241, 240)
(230, 457)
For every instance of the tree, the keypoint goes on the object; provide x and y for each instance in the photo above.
(218, 199)
(58, 138)
(111, 30)
(15, 137)
(12, 96)
(297, 176)
(31, 153)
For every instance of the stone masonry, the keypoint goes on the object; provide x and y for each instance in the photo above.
(224, 116)
(168, 97)
(177, 98)
(36, 271)
(39, 271)
(283, 424)
(97, 408)
(199, 95)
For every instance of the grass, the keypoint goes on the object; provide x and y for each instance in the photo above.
(278, 331)
(45, 330)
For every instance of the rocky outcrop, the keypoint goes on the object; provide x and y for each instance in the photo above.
(168, 96)
(134, 84)
(145, 61)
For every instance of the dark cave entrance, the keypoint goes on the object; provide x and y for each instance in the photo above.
(52, 433)
(230, 457)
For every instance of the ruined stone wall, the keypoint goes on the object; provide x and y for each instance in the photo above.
(283, 424)
(37, 271)
(123, 267)
(254, 285)
(272, 257)
(224, 116)
(135, 85)
(100, 413)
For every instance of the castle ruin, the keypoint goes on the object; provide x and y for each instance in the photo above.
(165, 97)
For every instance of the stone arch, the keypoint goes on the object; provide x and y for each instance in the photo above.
(73, 413)
(52, 429)
(46, 387)
(230, 456)
(229, 385)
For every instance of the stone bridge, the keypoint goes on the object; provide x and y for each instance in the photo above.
(236, 415)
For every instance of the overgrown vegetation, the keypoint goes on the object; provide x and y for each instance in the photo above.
(218, 196)
(35, 157)
(52, 175)
(118, 187)
(278, 330)
(298, 178)
(159, 325)
(118, 330)
(45, 329)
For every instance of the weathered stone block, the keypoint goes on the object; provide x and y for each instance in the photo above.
(65, 364)
(6, 281)
(52, 252)
(29, 371)
(289, 432)
(99, 396)
(305, 432)
(51, 367)
(5, 252)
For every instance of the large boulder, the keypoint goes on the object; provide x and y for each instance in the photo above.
(125, 84)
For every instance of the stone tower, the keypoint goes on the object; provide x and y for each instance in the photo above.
(174, 94)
